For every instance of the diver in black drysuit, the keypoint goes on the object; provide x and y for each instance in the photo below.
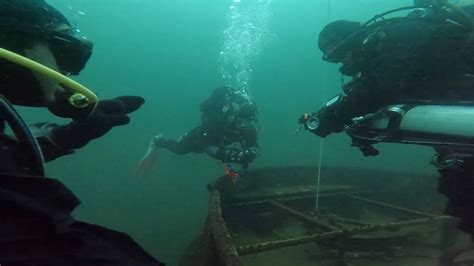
(227, 131)
(427, 56)
(36, 222)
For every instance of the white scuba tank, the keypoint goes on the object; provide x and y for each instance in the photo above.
(443, 120)
(432, 125)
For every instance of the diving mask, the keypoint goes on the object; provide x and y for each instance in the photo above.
(70, 51)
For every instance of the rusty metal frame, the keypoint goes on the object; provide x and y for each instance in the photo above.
(230, 255)
(267, 246)
(292, 198)
(391, 206)
(225, 246)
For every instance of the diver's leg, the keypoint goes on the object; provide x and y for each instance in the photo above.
(190, 142)
(449, 234)
(457, 184)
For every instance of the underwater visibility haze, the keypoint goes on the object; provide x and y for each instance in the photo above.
(174, 53)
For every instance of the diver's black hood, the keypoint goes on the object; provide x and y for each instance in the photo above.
(333, 35)
(31, 12)
(18, 83)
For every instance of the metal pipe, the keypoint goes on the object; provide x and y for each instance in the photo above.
(267, 246)
(398, 208)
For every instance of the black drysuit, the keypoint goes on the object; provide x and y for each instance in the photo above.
(36, 222)
(220, 130)
(411, 59)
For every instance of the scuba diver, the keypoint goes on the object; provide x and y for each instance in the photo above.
(38, 49)
(412, 82)
(227, 133)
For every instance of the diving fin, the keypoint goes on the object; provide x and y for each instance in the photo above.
(148, 162)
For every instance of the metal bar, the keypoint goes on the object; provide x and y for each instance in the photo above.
(301, 216)
(224, 244)
(251, 249)
(382, 204)
(290, 198)
(347, 220)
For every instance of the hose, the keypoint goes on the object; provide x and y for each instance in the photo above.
(77, 88)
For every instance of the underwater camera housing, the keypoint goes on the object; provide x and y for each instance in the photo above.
(421, 124)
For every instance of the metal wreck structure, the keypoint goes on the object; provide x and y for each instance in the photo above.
(365, 217)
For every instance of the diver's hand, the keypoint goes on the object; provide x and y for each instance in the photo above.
(322, 123)
(108, 114)
(328, 119)
(314, 124)
(309, 121)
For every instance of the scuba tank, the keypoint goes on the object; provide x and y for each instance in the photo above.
(421, 124)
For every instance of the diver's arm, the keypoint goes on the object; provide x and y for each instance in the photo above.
(51, 150)
(327, 120)
(60, 140)
(360, 99)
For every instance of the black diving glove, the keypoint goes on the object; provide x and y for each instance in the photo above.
(327, 120)
(108, 114)
(321, 123)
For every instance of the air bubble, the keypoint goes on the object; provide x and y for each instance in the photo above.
(246, 34)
